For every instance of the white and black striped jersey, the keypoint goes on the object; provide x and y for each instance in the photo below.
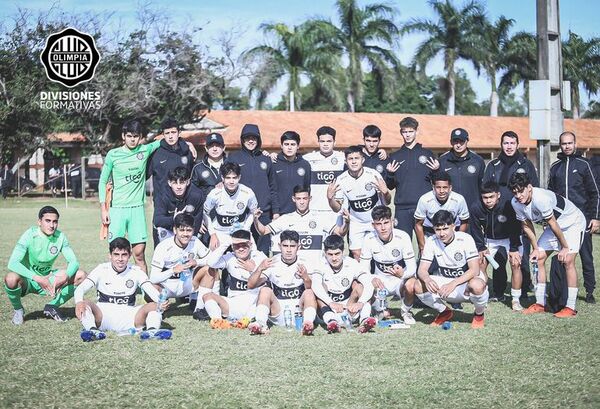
(452, 258)
(284, 278)
(118, 288)
(359, 195)
(313, 228)
(397, 251)
(226, 212)
(238, 277)
(168, 254)
(339, 284)
(428, 205)
(545, 204)
(324, 170)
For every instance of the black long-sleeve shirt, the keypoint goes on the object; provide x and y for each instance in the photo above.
(498, 223)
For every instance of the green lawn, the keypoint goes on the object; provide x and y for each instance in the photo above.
(517, 361)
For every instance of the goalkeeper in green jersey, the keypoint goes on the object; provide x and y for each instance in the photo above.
(31, 271)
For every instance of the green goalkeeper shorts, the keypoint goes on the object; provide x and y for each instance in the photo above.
(130, 221)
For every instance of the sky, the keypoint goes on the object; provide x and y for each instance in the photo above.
(580, 16)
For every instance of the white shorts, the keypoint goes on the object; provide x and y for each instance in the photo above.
(177, 288)
(460, 293)
(280, 319)
(357, 233)
(392, 284)
(493, 245)
(116, 317)
(573, 235)
(242, 306)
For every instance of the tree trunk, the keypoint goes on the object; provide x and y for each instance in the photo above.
(451, 101)
(350, 100)
(494, 99)
(575, 100)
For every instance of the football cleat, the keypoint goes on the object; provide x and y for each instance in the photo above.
(408, 318)
(51, 311)
(478, 321)
(201, 315)
(534, 309)
(161, 334)
(442, 317)
(93, 334)
(566, 312)
(516, 305)
(333, 327)
(308, 328)
(256, 328)
(18, 316)
(367, 325)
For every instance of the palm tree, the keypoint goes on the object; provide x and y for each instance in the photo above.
(455, 34)
(519, 61)
(581, 60)
(297, 52)
(362, 34)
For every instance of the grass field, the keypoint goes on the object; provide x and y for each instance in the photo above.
(517, 361)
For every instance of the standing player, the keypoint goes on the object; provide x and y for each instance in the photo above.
(230, 207)
(30, 267)
(326, 164)
(117, 283)
(340, 284)
(457, 277)
(289, 287)
(496, 231)
(563, 232)
(375, 158)
(391, 253)
(358, 189)
(125, 213)
(205, 173)
(441, 197)
(313, 227)
(241, 263)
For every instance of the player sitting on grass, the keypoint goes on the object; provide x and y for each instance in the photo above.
(117, 283)
(457, 278)
(289, 288)
(31, 271)
(341, 284)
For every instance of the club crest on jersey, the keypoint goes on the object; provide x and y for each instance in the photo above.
(184, 160)
(345, 282)
(502, 218)
(368, 186)
(301, 172)
(162, 233)
(471, 169)
(263, 165)
(53, 250)
(312, 224)
(379, 168)
(422, 159)
(239, 205)
(129, 283)
(189, 208)
(205, 174)
(334, 161)
(140, 156)
(458, 256)
(521, 170)
(110, 235)
(395, 252)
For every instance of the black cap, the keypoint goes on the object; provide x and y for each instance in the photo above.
(459, 133)
(215, 138)
(250, 130)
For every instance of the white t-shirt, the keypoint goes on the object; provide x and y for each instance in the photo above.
(452, 258)
(545, 203)
(324, 170)
(428, 205)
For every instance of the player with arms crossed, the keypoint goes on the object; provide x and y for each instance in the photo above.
(457, 278)
(394, 261)
(30, 267)
(289, 287)
(564, 225)
(117, 283)
(340, 284)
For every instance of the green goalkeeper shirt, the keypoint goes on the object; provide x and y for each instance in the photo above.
(128, 170)
(35, 253)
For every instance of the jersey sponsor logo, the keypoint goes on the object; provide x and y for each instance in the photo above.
(458, 256)
(339, 297)
(422, 159)
(228, 221)
(205, 174)
(447, 169)
(364, 205)
(53, 250)
(301, 171)
(279, 171)
(133, 178)
(129, 283)
(310, 242)
(502, 218)
(323, 177)
(263, 165)
(292, 293)
(471, 169)
(236, 284)
(40, 270)
(117, 299)
(163, 161)
(140, 156)
(453, 272)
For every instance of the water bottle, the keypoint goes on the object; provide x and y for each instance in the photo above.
(534, 272)
(347, 321)
(287, 317)
(298, 318)
(381, 299)
(183, 276)
(161, 299)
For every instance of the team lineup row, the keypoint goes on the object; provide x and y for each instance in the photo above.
(231, 208)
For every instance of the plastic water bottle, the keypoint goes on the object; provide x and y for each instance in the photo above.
(534, 272)
(381, 296)
(161, 299)
(347, 321)
(446, 325)
(287, 317)
(298, 318)
(184, 275)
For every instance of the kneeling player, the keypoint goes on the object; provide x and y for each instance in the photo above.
(394, 261)
(290, 287)
(177, 258)
(458, 278)
(240, 301)
(341, 284)
(117, 283)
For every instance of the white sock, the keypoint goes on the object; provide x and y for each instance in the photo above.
(572, 297)
(200, 294)
(365, 311)
(434, 302)
(88, 320)
(480, 301)
(309, 314)
(262, 314)
(404, 307)
(212, 309)
(330, 315)
(540, 293)
(515, 294)
(153, 320)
